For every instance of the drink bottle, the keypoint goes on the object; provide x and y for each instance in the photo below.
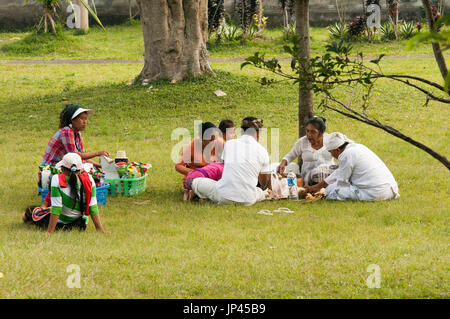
(292, 184)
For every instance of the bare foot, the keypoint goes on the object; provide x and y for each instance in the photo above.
(186, 195)
(191, 195)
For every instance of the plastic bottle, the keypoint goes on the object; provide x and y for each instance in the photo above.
(45, 177)
(292, 184)
(102, 179)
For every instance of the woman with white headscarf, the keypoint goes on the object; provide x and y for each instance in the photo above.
(316, 160)
(361, 174)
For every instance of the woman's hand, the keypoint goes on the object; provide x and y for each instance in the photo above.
(102, 153)
(316, 188)
(281, 167)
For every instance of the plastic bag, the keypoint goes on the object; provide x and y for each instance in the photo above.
(280, 188)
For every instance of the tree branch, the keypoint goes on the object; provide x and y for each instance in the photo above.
(390, 130)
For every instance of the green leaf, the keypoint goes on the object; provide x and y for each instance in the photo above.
(293, 63)
(445, 20)
(245, 64)
(377, 61)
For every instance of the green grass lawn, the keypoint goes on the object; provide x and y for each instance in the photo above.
(161, 247)
(126, 42)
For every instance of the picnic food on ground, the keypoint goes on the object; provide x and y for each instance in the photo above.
(302, 192)
(312, 198)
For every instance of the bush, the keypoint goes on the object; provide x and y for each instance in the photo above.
(229, 31)
(289, 31)
(387, 31)
(337, 31)
(252, 31)
(407, 30)
(356, 27)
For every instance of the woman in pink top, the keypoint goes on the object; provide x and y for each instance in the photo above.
(212, 171)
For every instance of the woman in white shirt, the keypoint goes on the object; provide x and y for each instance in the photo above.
(316, 160)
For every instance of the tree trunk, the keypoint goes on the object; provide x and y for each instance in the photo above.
(439, 57)
(129, 10)
(285, 18)
(396, 20)
(175, 35)
(243, 22)
(260, 15)
(305, 103)
(84, 17)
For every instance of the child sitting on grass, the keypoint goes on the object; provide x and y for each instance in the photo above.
(212, 171)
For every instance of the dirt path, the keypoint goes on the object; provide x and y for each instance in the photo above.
(213, 60)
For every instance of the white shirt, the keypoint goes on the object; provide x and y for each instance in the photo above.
(311, 157)
(362, 168)
(244, 159)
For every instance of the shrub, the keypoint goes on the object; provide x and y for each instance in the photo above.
(337, 31)
(356, 27)
(289, 31)
(407, 29)
(387, 31)
(229, 31)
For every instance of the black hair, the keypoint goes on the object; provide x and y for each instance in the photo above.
(204, 127)
(77, 198)
(224, 124)
(343, 146)
(251, 122)
(318, 122)
(65, 117)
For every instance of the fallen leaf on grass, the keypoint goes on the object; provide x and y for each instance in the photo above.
(220, 93)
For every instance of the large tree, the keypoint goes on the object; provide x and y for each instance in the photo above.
(335, 73)
(439, 57)
(305, 101)
(175, 35)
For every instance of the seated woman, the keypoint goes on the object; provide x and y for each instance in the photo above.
(316, 160)
(228, 129)
(200, 152)
(72, 120)
(73, 199)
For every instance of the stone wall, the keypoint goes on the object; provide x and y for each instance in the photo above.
(15, 14)
(323, 12)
